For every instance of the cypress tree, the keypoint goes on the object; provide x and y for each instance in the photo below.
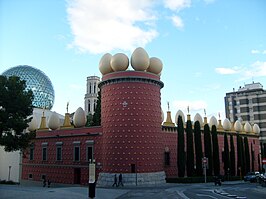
(96, 120)
(180, 148)
(208, 148)
(232, 156)
(215, 149)
(247, 155)
(198, 148)
(226, 156)
(190, 149)
(252, 157)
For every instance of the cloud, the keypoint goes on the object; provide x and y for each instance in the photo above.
(255, 51)
(226, 71)
(177, 21)
(177, 5)
(257, 69)
(193, 105)
(100, 26)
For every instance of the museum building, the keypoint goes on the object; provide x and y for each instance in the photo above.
(133, 138)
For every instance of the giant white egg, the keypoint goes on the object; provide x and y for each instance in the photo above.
(33, 124)
(140, 59)
(213, 121)
(179, 113)
(54, 121)
(104, 64)
(256, 128)
(247, 127)
(155, 66)
(119, 62)
(198, 118)
(79, 118)
(227, 124)
(238, 126)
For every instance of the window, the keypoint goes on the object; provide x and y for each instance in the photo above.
(167, 158)
(30, 175)
(58, 153)
(44, 153)
(76, 153)
(31, 152)
(89, 153)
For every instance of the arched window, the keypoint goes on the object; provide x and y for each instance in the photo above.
(90, 89)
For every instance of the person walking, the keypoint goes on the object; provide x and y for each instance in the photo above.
(120, 180)
(115, 181)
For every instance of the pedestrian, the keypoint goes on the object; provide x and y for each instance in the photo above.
(48, 183)
(115, 181)
(120, 180)
(44, 182)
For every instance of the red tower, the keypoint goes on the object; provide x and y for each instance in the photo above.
(131, 122)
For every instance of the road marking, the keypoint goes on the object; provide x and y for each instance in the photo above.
(205, 195)
(180, 193)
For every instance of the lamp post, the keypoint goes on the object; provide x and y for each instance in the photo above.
(9, 168)
(92, 181)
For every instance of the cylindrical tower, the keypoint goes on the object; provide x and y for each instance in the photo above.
(131, 122)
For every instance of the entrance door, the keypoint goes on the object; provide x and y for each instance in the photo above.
(77, 175)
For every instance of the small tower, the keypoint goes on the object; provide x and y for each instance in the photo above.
(91, 95)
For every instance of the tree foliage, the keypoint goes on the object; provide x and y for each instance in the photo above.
(15, 109)
(190, 149)
(232, 156)
(96, 120)
(180, 148)
(247, 155)
(215, 150)
(198, 148)
(208, 148)
(226, 156)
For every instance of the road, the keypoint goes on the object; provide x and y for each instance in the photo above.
(166, 191)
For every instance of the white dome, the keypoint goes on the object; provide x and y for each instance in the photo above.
(54, 121)
(247, 127)
(155, 66)
(227, 124)
(33, 124)
(213, 121)
(104, 64)
(179, 112)
(238, 126)
(198, 117)
(140, 59)
(79, 118)
(119, 62)
(256, 128)
(162, 115)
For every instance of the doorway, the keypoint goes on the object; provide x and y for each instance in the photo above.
(77, 175)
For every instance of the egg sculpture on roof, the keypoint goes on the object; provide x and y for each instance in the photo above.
(179, 113)
(256, 128)
(54, 121)
(140, 59)
(104, 64)
(33, 124)
(155, 66)
(247, 127)
(226, 124)
(213, 121)
(119, 62)
(198, 117)
(238, 126)
(79, 118)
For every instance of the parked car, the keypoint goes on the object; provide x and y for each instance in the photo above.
(251, 176)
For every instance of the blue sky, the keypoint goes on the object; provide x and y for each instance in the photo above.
(208, 47)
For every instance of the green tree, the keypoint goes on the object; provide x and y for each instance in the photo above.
(180, 148)
(232, 156)
(96, 120)
(15, 109)
(226, 156)
(208, 148)
(198, 148)
(247, 155)
(190, 149)
(215, 151)
(89, 120)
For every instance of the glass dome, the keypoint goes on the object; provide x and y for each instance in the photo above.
(36, 81)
